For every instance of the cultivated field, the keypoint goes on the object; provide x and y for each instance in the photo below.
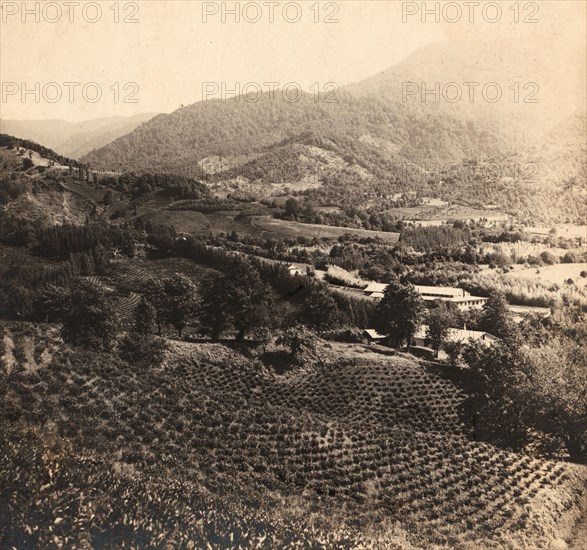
(371, 449)
(197, 223)
(128, 276)
(569, 231)
(430, 214)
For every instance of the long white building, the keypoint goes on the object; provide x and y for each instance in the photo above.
(458, 296)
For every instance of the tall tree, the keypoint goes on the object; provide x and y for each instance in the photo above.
(521, 390)
(496, 403)
(213, 319)
(237, 300)
(180, 301)
(89, 320)
(496, 318)
(555, 393)
(154, 292)
(320, 310)
(440, 318)
(453, 349)
(145, 317)
(248, 299)
(399, 313)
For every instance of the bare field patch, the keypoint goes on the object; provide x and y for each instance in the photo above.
(432, 214)
(556, 274)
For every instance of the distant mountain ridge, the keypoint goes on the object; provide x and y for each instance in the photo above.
(178, 141)
(74, 139)
(375, 140)
(417, 127)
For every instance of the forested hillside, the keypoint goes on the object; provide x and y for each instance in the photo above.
(378, 138)
(239, 127)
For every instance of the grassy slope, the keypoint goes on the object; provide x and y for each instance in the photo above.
(197, 223)
(375, 437)
(285, 228)
(45, 195)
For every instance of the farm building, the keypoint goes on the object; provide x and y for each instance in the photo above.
(295, 269)
(375, 290)
(458, 296)
(372, 336)
(463, 335)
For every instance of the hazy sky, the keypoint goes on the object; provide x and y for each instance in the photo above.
(173, 48)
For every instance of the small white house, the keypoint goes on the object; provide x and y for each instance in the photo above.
(372, 336)
(464, 335)
(295, 269)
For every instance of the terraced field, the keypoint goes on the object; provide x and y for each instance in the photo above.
(138, 271)
(132, 274)
(378, 392)
(125, 304)
(377, 438)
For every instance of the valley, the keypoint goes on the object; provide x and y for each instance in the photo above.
(297, 324)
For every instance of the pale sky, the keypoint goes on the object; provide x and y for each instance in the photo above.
(171, 51)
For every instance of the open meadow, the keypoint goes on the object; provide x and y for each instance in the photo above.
(557, 274)
(283, 229)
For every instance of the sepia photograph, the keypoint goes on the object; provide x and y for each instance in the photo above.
(293, 274)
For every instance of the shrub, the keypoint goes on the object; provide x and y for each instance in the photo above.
(141, 349)
(349, 335)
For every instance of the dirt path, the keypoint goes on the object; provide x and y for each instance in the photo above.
(257, 226)
(75, 192)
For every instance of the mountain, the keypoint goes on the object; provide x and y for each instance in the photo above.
(529, 81)
(415, 130)
(74, 139)
(374, 135)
